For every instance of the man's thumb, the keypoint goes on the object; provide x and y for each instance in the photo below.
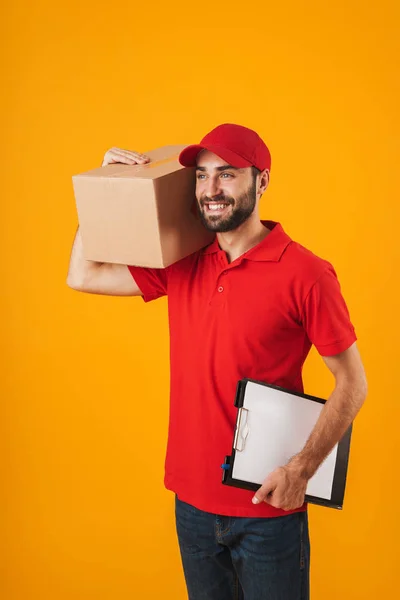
(263, 492)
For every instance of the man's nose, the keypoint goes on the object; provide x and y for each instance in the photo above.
(213, 188)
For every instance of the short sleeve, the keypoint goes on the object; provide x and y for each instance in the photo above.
(152, 283)
(326, 317)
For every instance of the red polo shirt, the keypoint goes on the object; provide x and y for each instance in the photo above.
(256, 317)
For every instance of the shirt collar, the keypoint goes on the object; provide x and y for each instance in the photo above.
(270, 248)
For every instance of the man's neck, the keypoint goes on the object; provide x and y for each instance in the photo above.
(240, 240)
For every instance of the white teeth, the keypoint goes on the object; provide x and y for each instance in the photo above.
(216, 206)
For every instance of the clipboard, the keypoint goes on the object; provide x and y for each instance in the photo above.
(272, 425)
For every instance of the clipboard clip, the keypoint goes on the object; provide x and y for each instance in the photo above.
(242, 430)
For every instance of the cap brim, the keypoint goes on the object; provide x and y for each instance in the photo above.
(188, 156)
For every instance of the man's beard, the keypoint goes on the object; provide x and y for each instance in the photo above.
(243, 207)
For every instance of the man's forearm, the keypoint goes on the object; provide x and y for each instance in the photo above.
(335, 418)
(286, 486)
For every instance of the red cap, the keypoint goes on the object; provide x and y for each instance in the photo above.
(238, 145)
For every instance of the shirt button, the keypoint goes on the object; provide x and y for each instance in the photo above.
(220, 289)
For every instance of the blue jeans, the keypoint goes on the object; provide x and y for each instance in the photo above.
(236, 558)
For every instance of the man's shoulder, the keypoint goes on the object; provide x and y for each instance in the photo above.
(304, 263)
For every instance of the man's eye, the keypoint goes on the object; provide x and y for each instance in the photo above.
(200, 176)
(227, 174)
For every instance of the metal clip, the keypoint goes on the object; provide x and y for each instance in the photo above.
(242, 430)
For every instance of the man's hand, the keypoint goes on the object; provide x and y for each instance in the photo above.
(283, 488)
(127, 157)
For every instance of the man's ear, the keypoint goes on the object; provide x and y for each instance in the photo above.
(263, 182)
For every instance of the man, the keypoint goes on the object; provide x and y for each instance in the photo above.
(251, 304)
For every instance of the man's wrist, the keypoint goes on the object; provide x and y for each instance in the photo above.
(302, 465)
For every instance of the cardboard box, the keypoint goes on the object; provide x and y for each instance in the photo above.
(142, 215)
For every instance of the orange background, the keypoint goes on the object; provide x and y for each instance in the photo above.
(84, 381)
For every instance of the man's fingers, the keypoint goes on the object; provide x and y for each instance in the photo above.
(112, 157)
(130, 154)
(282, 489)
(264, 492)
(127, 157)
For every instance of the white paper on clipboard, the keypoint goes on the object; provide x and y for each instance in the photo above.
(276, 426)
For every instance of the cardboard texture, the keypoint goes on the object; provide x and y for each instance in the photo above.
(142, 215)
